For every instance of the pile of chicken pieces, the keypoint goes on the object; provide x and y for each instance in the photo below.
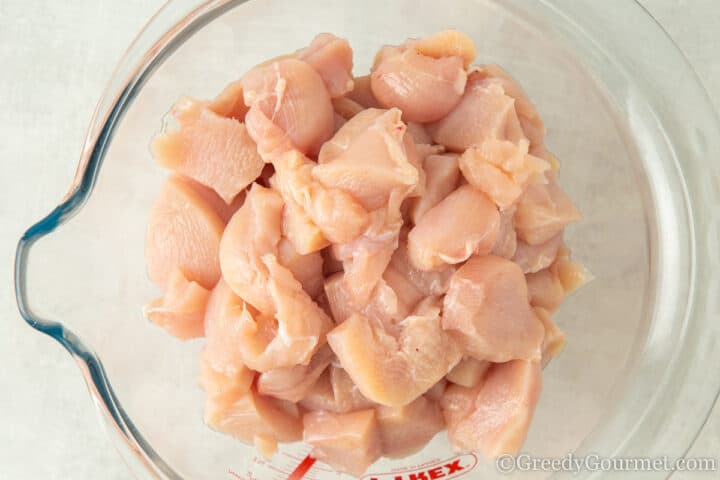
(371, 260)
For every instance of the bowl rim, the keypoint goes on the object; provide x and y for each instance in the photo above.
(164, 32)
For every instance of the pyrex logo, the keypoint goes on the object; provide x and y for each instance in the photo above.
(454, 467)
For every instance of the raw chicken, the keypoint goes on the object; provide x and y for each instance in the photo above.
(335, 212)
(487, 308)
(533, 258)
(424, 88)
(362, 92)
(407, 429)
(290, 108)
(224, 384)
(442, 177)
(501, 169)
(349, 442)
(183, 233)
(307, 269)
(469, 372)
(370, 161)
(223, 330)
(294, 383)
(506, 243)
(332, 58)
(211, 149)
(484, 111)
(335, 392)
(448, 43)
(290, 337)
(545, 289)
(225, 211)
(251, 414)
(494, 416)
(370, 259)
(542, 212)
(444, 235)
(182, 309)
(254, 231)
(554, 339)
(391, 370)
(530, 121)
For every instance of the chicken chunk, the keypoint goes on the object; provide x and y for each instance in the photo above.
(407, 429)
(487, 308)
(254, 231)
(533, 258)
(469, 372)
(183, 233)
(494, 416)
(543, 210)
(391, 370)
(446, 236)
(213, 150)
(290, 108)
(332, 58)
(501, 169)
(442, 177)
(485, 111)
(182, 309)
(348, 442)
(294, 383)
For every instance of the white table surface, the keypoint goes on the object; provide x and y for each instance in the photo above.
(55, 58)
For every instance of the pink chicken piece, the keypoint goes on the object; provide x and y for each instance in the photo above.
(494, 417)
(307, 268)
(225, 211)
(349, 442)
(395, 370)
(432, 283)
(442, 178)
(485, 111)
(224, 384)
(182, 309)
(381, 306)
(528, 116)
(533, 258)
(300, 230)
(223, 321)
(543, 210)
(506, 243)
(254, 231)
(424, 88)
(211, 149)
(362, 92)
(332, 58)
(554, 339)
(406, 430)
(335, 392)
(368, 159)
(469, 372)
(290, 337)
(447, 43)
(346, 109)
(487, 308)
(294, 383)
(545, 289)
(229, 103)
(290, 107)
(335, 212)
(183, 233)
(446, 236)
(250, 415)
(501, 169)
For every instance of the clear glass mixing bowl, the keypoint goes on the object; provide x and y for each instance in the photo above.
(639, 146)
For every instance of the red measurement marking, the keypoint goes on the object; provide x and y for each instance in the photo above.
(302, 469)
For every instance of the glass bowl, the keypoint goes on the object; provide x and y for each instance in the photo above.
(638, 144)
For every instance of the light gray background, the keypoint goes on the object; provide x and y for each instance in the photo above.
(55, 58)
